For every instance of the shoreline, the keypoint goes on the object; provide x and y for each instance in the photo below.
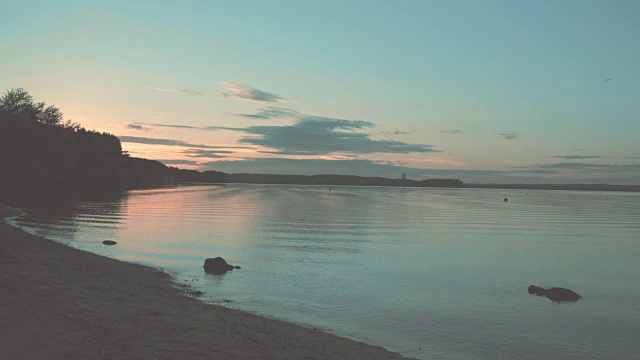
(63, 303)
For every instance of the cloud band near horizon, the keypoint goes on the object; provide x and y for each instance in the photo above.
(236, 91)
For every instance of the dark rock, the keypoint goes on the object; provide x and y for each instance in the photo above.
(109, 242)
(217, 266)
(562, 294)
(536, 290)
(555, 294)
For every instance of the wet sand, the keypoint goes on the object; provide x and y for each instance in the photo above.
(57, 302)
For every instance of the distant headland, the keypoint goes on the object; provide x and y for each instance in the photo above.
(578, 187)
(349, 180)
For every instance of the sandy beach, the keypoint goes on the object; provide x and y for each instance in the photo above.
(62, 303)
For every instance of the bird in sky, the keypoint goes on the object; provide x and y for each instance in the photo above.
(607, 79)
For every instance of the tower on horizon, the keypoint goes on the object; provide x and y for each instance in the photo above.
(403, 176)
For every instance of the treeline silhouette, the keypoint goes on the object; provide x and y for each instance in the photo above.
(40, 153)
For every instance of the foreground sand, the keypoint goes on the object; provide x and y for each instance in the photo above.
(57, 302)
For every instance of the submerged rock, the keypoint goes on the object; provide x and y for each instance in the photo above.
(556, 294)
(109, 242)
(217, 266)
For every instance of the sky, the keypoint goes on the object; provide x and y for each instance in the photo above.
(483, 91)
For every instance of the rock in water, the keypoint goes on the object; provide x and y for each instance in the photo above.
(562, 294)
(555, 294)
(536, 290)
(217, 266)
(109, 242)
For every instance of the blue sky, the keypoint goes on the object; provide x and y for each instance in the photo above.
(484, 91)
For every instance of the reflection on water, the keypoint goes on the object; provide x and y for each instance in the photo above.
(439, 273)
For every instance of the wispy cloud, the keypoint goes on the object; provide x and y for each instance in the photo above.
(312, 135)
(272, 112)
(201, 153)
(246, 92)
(175, 126)
(396, 132)
(435, 160)
(178, 162)
(506, 136)
(587, 167)
(137, 126)
(534, 171)
(454, 131)
(156, 141)
(236, 91)
(182, 91)
(577, 157)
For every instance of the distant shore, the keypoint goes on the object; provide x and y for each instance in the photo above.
(62, 303)
(573, 187)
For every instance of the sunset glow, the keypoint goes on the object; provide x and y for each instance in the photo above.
(492, 91)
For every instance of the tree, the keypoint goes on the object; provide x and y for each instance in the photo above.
(51, 115)
(19, 104)
(41, 153)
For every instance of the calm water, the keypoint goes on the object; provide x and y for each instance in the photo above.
(432, 273)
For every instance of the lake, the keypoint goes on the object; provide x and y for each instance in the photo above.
(429, 272)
